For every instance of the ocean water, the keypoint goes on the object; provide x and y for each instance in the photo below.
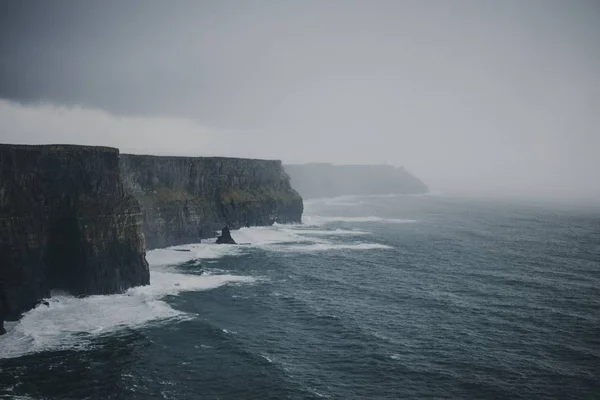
(381, 297)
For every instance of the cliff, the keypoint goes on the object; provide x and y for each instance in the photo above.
(185, 199)
(327, 180)
(66, 223)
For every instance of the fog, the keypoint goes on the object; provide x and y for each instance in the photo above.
(479, 97)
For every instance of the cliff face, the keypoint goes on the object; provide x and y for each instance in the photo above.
(66, 223)
(185, 199)
(327, 180)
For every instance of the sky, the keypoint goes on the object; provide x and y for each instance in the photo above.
(481, 96)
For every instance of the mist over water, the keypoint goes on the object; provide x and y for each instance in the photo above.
(473, 97)
(371, 297)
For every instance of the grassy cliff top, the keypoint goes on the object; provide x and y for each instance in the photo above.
(211, 158)
(57, 147)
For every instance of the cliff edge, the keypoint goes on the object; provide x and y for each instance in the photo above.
(328, 180)
(185, 199)
(66, 223)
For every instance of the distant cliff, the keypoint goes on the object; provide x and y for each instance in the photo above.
(66, 223)
(185, 199)
(327, 180)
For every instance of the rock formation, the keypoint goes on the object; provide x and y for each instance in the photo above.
(225, 237)
(66, 223)
(73, 218)
(185, 199)
(327, 180)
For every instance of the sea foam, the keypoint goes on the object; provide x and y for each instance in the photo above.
(317, 220)
(313, 236)
(317, 247)
(72, 323)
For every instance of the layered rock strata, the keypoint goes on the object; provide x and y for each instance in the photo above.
(185, 199)
(67, 224)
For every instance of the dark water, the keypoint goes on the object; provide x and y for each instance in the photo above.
(428, 297)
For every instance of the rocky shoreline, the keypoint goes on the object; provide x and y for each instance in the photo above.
(80, 218)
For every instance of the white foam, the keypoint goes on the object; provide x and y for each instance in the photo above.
(317, 220)
(312, 236)
(208, 250)
(267, 358)
(348, 198)
(428, 194)
(260, 236)
(278, 238)
(167, 256)
(196, 251)
(355, 199)
(332, 232)
(318, 247)
(168, 283)
(343, 201)
(282, 238)
(72, 323)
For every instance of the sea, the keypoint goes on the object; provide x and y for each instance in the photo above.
(371, 297)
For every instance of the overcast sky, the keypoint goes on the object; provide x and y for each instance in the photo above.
(478, 96)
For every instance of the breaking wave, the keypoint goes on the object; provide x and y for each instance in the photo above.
(279, 238)
(329, 246)
(73, 323)
(317, 220)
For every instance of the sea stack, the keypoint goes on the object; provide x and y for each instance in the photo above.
(225, 237)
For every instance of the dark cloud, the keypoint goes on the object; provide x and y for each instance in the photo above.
(248, 62)
(115, 55)
(477, 88)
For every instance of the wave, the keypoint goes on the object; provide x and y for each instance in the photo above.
(73, 323)
(344, 198)
(208, 250)
(309, 237)
(299, 239)
(344, 201)
(317, 220)
(261, 236)
(355, 199)
(393, 195)
(316, 247)
(331, 232)
(184, 253)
